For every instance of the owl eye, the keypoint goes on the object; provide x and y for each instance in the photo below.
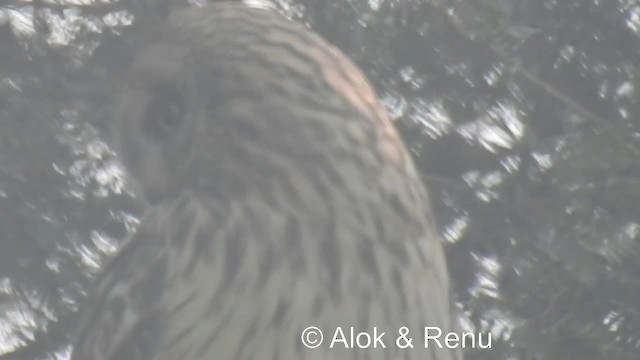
(164, 113)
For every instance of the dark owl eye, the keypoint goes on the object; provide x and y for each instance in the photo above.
(164, 113)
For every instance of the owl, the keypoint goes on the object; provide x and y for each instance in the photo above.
(286, 219)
